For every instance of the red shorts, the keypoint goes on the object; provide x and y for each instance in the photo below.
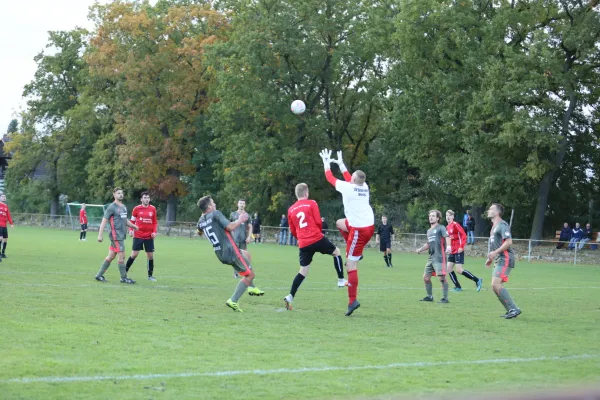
(357, 240)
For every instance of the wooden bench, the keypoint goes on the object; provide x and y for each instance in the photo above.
(592, 244)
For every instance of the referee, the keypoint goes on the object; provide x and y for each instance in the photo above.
(385, 235)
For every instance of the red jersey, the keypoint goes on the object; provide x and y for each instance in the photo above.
(145, 219)
(83, 216)
(5, 215)
(305, 222)
(458, 236)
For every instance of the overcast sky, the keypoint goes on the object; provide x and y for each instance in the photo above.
(23, 34)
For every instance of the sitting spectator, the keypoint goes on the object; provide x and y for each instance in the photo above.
(587, 236)
(576, 236)
(565, 236)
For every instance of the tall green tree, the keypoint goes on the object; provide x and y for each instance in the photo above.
(152, 58)
(482, 105)
(322, 52)
(53, 141)
(13, 126)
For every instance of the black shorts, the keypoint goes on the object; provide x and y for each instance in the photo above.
(4, 232)
(458, 258)
(323, 246)
(256, 230)
(83, 227)
(146, 244)
(384, 245)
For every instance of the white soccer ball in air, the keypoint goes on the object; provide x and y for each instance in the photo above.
(298, 107)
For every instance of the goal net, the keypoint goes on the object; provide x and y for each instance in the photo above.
(95, 212)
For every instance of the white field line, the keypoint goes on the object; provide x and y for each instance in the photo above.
(216, 374)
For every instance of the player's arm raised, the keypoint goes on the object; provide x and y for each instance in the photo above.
(340, 163)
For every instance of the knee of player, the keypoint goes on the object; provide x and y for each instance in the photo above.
(341, 224)
(336, 252)
(442, 278)
(427, 278)
(150, 256)
(497, 286)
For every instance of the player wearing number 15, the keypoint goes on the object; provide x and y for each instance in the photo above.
(305, 224)
(218, 229)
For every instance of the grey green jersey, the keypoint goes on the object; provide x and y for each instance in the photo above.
(500, 232)
(117, 218)
(437, 244)
(213, 225)
(240, 234)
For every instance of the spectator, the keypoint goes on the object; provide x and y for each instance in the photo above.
(324, 227)
(256, 223)
(587, 236)
(465, 219)
(470, 229)
(576, 236)
(565, 236)
(284, 229)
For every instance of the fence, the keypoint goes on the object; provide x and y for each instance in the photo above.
(525, 249)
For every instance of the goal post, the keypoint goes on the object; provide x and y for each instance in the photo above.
(95, 212)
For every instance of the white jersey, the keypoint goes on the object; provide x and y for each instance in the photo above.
(357, 209)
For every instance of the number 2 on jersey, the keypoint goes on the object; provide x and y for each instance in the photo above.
(211, 236)
(301, 217)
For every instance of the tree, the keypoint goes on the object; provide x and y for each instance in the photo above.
(481, 97)
(51, 142)
(13, 126)
(324, 53)
(152, 58)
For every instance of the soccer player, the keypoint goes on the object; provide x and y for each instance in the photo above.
(305, 224)
(384, 237)
(116, 215)
(358, 226)
(436, 264)
(456, 254)
(241, 235)
(144, 217)
(256, 224)
(4, 218)
(503, 257)
(83, 220)
(217, 230)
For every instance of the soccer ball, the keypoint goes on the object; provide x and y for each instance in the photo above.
(298, 107)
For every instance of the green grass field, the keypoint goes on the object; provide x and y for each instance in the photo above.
(64, 335)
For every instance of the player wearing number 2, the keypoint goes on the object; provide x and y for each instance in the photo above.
(359, 225)
(306, 225)
(218, 230)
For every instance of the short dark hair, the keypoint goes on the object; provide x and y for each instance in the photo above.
(500, 208)
(144, 194)
(244, 200)
(204, 202)
(115, 190)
